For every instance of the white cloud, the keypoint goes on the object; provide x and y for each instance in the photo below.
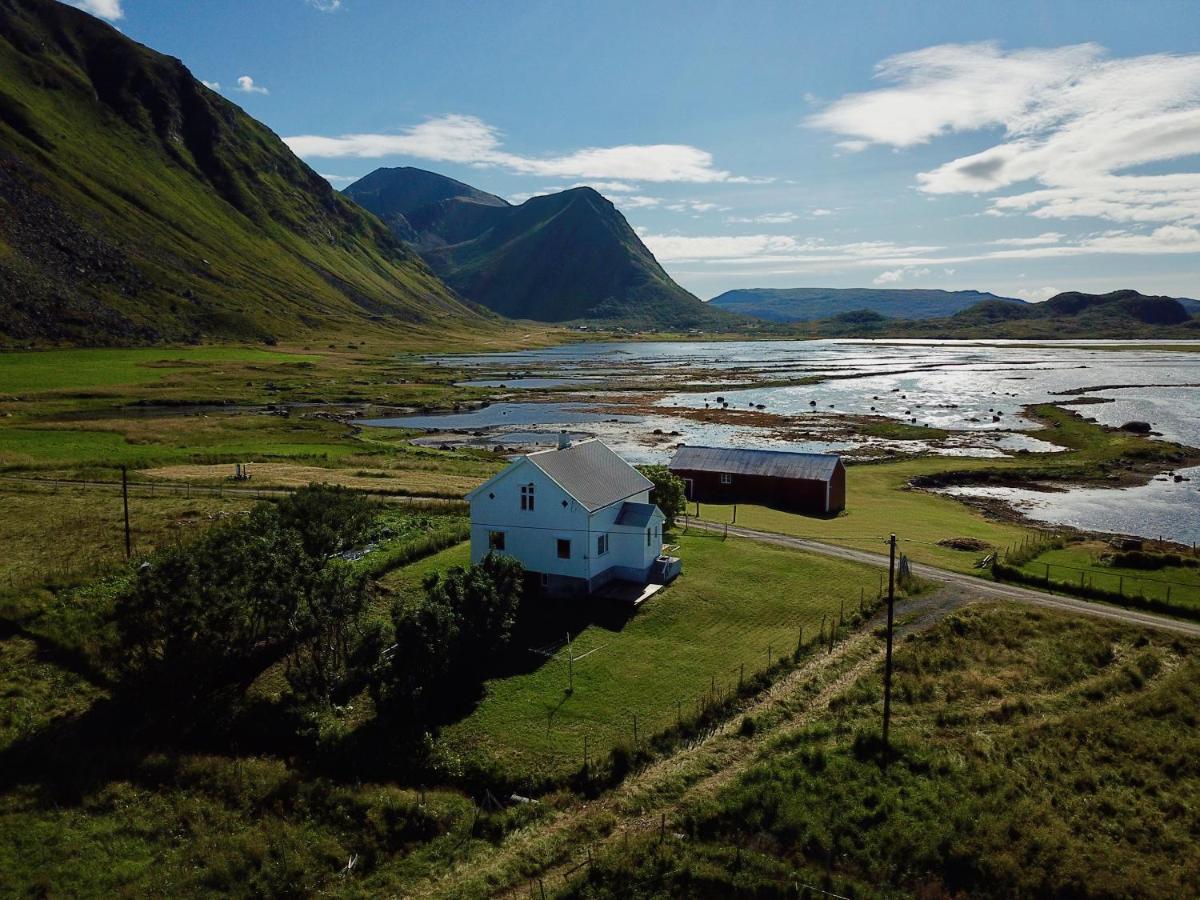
(340, 179)
(470, 140)
(325, 5)
(778, 255)
(1075, 122)
(779, 218)
(897, 275)
(247, 86)
(1037, 295)
(104, 9)
(638, 201)
(821, 212)
(608, 187)
(752, 249)
(1046, 237)
(211, 85)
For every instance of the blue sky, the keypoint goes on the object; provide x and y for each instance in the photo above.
(1022, 148)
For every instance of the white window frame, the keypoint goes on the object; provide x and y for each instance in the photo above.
(602, 545)
(726, 478)
(527, 497)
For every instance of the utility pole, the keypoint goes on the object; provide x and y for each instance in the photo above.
(887, 666)
(125, 498)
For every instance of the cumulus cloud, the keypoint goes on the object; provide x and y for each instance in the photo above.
(1076, 123)
(897, 275)
(1039, 294)
(211, 85)
(325, 5)
(104, 9)
(340, 179)
(471, 141)
(247, 86)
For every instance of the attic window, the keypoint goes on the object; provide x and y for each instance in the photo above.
(527, 497)
(726, 478)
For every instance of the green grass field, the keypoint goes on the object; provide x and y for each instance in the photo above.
(735, 600)
(878, 502)
(1068, 564)
(89, 370)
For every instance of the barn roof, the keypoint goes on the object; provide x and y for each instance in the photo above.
(636, 515)
(774, 463)
(591, 473)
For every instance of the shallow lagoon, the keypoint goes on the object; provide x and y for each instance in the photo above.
(974, 389)
(1163, 507)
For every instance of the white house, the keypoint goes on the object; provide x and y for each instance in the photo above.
(578, 516)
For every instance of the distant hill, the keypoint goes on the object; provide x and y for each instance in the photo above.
(1192, 306)
(1120, 314)
(562, 257)
(1089, 310)
(138, 205)
(811, 304)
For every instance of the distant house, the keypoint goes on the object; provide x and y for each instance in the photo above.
(798, 482)
(577, 517)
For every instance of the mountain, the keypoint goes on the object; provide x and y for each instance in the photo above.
(1192, 306)
(561, 257)
(1100, 312)
(810, 304)
(137, 205)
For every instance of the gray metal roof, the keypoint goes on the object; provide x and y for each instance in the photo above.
(636, 515)
(774, 463)
(591, 473)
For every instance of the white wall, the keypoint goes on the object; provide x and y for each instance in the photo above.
(531, 537)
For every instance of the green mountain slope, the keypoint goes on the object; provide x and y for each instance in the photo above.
(561, 257)
(810, 304)
(137, 205)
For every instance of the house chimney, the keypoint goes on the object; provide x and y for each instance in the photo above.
(563, 440)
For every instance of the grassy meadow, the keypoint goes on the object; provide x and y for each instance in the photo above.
(1035, 754)
(1089, 561)
(737, 602)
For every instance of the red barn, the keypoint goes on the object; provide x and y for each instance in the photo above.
(812, 483)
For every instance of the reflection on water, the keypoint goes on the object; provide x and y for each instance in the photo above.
(1163, 507)
(960, 385)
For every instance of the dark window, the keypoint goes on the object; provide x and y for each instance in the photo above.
(649, 531)
(564, 548)
(527, 497)
(495, 540)
(726, 478)
(602, 545)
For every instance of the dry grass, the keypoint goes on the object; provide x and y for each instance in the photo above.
(69, 535)
(288, 475)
